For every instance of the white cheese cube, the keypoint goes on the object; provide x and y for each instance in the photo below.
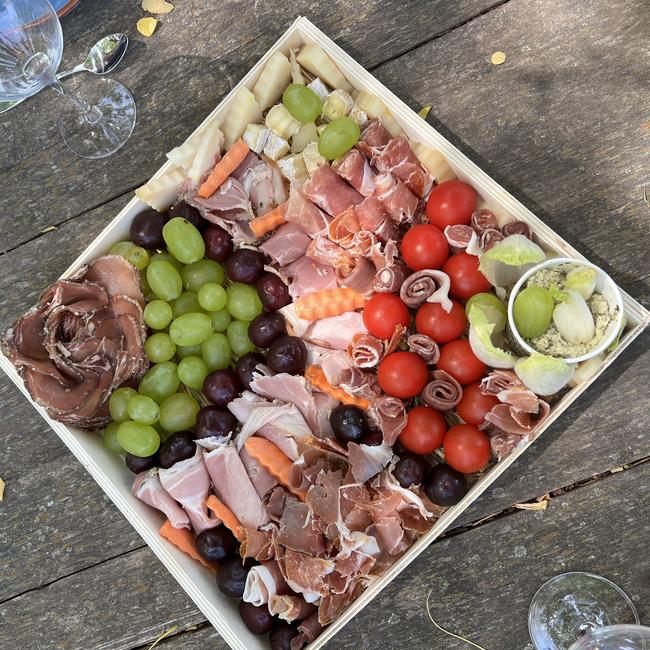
(337, 104)
(358, 115)
(319, 88)
(313, 159)
(293, 167)
(275, 146)
(255, 137)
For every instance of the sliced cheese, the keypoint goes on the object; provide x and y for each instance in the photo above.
(337, 104)
(313, 159)
(293, 167)
(319, 88)
(255, 137)
(358, 115)
(275, 146)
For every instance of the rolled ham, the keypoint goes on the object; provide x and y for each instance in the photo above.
(397, 158)
(400, 203)
(483, 220)
(424, 346)
(149, 490)
(426, 285)
(365, 350)
(388, 414)
(330, 192)
(355, 169)
(458, 236)
(516, 228)
(290, 608)
(443, 392)
(287, 244)
(263, 582)
(489, 238)
(360, 277)
(391, 278)
(373, 139)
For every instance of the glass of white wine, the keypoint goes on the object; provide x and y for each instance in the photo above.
(615, 637)
(98, 118)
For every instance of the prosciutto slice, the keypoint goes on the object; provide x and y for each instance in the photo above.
(371, 214)
(516, 228)
(231, 197)
(335, 332)
(502, 444)
(330, 192)
(365, 350)
(305, 275)
(425, 346)
(287, 244)
(303, 213)
(355, 169)
(390, 278)
(290, 608)
(188, 482)
(262, 182)
(148, 488)
(262, 481)
(400, 203)
(513, 420)
(398, 159)
(367, 461)
(426, 285)
(373, 139)
(342, 228)
(231, 482)
(483, 220)
(489, 238)
(308, 630)
(324, 250)
(458, 236)
(359, 277)
(443, 392)
(263, 582)
(388, 414)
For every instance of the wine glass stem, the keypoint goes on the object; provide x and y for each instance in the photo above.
(90, 114)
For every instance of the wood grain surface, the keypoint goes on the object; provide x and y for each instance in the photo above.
(563, 123)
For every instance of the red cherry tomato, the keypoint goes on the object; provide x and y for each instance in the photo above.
(402, 374)
(459, 361)
(466, 279)
(432, 320)
(424, 431)
(383, 312)
(425, 247)
(450, 203)
(474, 405)
(467, 449)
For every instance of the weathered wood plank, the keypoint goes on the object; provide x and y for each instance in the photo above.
(197, 54)
(471, 588)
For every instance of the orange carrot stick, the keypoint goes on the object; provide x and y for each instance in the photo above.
(269, 221)
(227, 517)
(226, 166)
(274, 461)
(183, 539)
(328, 302)
(316, 377)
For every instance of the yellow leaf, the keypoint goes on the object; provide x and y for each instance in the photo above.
(498, 58)
(424, 111)
(157, 6)
(2, 489)
(147, 26)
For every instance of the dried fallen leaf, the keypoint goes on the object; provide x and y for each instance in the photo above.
(164, 635)
(157, 6)
(48, 229)
(2, 489)
(147, 26)
(498, 58)
(424, 111)
(541, 503)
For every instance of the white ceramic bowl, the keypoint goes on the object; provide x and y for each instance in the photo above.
(604, 285)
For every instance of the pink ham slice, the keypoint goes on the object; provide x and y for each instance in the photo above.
(516, 228)
(360, 277)
(305, 214)
(288, 243)
(367, 461)
(373, 138)
(458, 236)
(330, 192)
(355, 169)
(290, 608)
(443, 392)
(262, 481)
(398, 159)
(388, 414)
(343, 227)
(512, 420)
(148, 488)
(189, 483)
(262, 182)
(489, 238)
(371, 214)
(263, 582)
(231, 197)
(324, 250)
(425, 346)
(483, 220)
(400, 203)
(427, 285)
(335, 332)
(306, 275)
(365, 350)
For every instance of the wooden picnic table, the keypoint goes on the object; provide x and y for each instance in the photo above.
(564, 124)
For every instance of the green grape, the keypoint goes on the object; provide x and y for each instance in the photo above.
(110, 438)
(164, 280)
(163, 435)
(220, 320)
(138, 439)
(183, 351)
(183, 240)
(138, 256)
(120, 248)
(494, 309)
(302, 102)
(143, 409)
(532, 311)
(158, 314)
(159, 347)
(238, 337)
(178, 412)
(243, 301)
(339, 136)
(119, 402)
(192, 371)
(166, 257)
(186, 303)
(197, 274)
(216, 352)
(212, 296)
(190, 329)
(160, 381)
(144, 285)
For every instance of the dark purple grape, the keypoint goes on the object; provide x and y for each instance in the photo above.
(257, 619)
(214, 421)
(179, 446)
(245, 367)
(216, 544)
(146, 229)
(281, 635)
(222, 386)
(218, 243)
(139, 464)
(349, 424)
(410, 469)
(231, 578)
(373, 439)
(445, 486)
(245, 265)
(190, 213)
(287, 354)
(273, 293)
(265, 328)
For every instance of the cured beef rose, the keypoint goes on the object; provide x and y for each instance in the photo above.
(82, 340)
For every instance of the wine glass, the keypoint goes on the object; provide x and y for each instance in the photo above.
(573, 604)
(615, 637)
(97, 119)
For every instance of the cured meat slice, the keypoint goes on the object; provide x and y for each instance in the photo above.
(489, 238)
(443, 392)
(263, 582)
(400, 203)
(425, 346)
(115, 275)
(231, 197)
(287, 244)
(330, 192)
(391, 278)
(355, 169)
(367, 461)
(342, 228)
(290, 607)
(365, 350)
(324, 250)
(148, 488)
(512, 420)
(458, 236)
(516, 228)
(371, 214)
(359, 277)
(397, 158)
(335, 332)
(306, 275)
(426, 285)
(303, 213)
(388, 414)
(373, 138)
(483, 220)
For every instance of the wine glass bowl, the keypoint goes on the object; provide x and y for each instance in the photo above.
(615, 637)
